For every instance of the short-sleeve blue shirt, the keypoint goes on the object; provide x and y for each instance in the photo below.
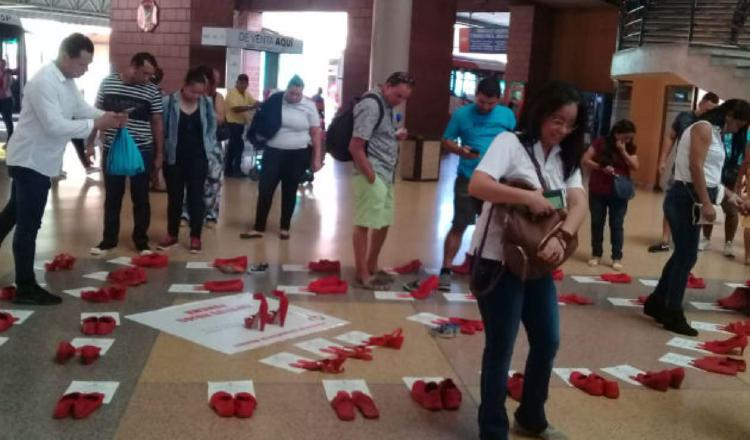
(477, 131)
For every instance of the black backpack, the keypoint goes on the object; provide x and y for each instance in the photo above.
(339, 133)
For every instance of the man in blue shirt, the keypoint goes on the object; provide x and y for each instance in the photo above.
(476, 126)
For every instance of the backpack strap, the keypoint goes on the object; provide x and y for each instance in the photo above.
(381, 110)
(529, 147)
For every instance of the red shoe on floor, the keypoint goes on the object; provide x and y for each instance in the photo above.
(128, 276)
(361, 352)
(468, 326)
(515, 386)
(331, 365)
(617, 278)
(611, 389)
(572, 298)
(365, 404)
(677, 375)
(231, 265)
(65, 352)
(64, 407)
(591, 384)
(89, 354)
(393, 340)
(728, 346)
(738, 328)
(155, 261)
(116, 293)
(6, 321)
(95, 296)
(659, 381)
(641, 300)
(89, 326)
(695, 282)
(450, 395)
(60, 262)
(738, 300)
(7, 293)
(410, 267)
(427, 395)
(259, 320)
(105, 325)
(278, 316)
(222, 403)
(343, 405)
(426, 287)
(328, 285)
(325, 266)
(225, 286)
(244, 405)
(464, 268)
(87, 404)
(558, 275)
(721, 365)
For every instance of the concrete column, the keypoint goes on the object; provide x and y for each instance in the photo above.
(391, 34)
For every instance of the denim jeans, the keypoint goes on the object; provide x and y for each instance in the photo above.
(24, 210)
(513, 301)
(617, 207)
(678, 210)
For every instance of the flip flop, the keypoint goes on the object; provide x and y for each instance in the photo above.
(372, 284)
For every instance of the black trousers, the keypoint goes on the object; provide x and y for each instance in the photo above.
(6, 109)
(115, 191)
(287, 167)
(187, 175)
(234, 149)
(28, 197)
(81, 152)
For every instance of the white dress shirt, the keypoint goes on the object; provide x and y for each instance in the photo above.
(507, 158)
(52, 113)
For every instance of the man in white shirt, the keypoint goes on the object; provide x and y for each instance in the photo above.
(52, 113)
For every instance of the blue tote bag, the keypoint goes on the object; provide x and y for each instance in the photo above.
(124, 158)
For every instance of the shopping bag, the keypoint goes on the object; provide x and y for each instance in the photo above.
(124, 158)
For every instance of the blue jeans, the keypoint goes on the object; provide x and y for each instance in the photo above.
(617, 207)
(678, 210)
(28, 197)
(513, 301)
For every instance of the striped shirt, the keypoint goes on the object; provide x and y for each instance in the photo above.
(145, 100)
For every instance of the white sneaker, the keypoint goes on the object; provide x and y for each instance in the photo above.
(617, 265)
(97, 251)
(729, 249)
(704, 244)
(145, 252)
(594, 262)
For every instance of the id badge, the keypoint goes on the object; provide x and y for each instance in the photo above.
(556, 198)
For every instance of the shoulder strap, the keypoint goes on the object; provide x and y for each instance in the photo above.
(381, 110)
(530, 151)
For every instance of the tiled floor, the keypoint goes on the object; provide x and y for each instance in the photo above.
(163, 391)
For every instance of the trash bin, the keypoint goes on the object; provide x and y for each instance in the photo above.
(420, 159)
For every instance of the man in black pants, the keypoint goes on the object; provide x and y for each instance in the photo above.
(239, 104)
(53, 112)
(131, 91)
(6, 96)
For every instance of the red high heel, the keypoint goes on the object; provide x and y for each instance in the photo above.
(738, 328)
(738, 300)
(676, 375)
(721, 365)
(392, 340)
(278, 316)
(259, 320)
(727, 346)
(330, 365)
(361, 352)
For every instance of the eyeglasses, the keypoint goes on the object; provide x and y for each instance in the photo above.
(562, 123)
(400, 78)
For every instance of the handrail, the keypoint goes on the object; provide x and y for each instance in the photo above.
(692, 20)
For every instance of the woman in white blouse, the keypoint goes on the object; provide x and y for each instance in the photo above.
(551, 126)
(690, 203)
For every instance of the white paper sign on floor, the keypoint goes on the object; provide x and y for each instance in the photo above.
(354, 338)
(687, 344)
(295, 290)
(409, 380)
(295, 268)
(284, 360)
(334, 386)
(187, 288)
(113, 315)
(649, 283)
(709, 327)
(77, 292)
(625, 373)
(709, 307)
(677, 359)
(106, 388)
(122, 261)
(317, 345)
(565, 373)
(20, 315)
(102, 343)
(427, 319)
(232, 387)
(460, 297)
(624, 302)
(199, 265)
(99, 276)
(3, 340)
(393, 296)
(588, 280)
(737, 285)
(219, 323)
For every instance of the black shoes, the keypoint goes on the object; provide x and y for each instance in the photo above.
(34, 295)
(653, 308)
(675, 321)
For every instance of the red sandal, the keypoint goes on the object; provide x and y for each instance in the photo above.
(392, 340)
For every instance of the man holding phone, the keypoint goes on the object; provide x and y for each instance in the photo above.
(475, 125)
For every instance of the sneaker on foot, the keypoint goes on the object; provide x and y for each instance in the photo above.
(617, 265)
(445, 282)
(729, 249)
(100, 249)
(145, 251)
(594, 262)
(704, 244)
(659, 247)
(195, 245)
(166, 243)
(551, 433)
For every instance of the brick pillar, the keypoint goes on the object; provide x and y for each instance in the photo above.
(430, 62)
(530, 45)
(357, 52)
(252, 21)
(176, 42)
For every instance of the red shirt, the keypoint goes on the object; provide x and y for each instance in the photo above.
(601, 183)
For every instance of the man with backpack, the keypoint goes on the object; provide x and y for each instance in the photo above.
(476, 125)
(374, 148)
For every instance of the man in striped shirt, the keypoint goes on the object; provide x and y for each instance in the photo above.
(133, 92)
